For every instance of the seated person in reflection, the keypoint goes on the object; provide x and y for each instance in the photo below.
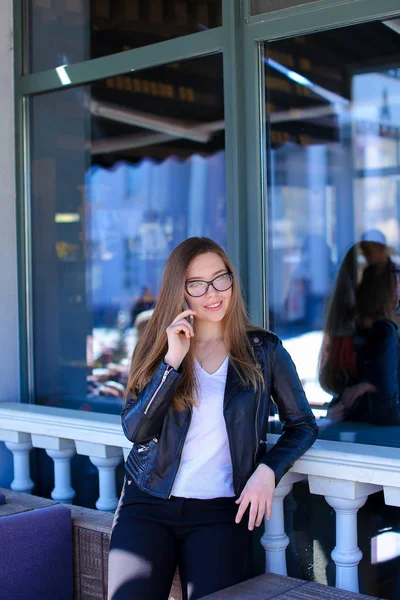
(371, 390)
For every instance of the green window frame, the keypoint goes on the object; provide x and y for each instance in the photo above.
(240, 39)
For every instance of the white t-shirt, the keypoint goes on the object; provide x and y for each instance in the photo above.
(205, 470)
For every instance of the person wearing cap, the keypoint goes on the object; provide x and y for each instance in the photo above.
(373, 245)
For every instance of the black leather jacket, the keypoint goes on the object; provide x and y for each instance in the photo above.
(158, 431)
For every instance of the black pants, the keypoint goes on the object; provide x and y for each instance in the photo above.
(151, 537)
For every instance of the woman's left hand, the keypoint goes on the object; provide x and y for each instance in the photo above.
(258, 493)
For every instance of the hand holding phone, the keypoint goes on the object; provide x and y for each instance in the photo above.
(179, 335)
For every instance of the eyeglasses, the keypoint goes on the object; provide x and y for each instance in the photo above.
(198, 288)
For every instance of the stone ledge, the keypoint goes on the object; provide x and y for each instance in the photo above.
(279, 587)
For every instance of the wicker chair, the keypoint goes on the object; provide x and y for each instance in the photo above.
(91, 531)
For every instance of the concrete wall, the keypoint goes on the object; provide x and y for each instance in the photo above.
(9, 360)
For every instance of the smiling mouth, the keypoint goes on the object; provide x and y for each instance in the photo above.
(214, 306)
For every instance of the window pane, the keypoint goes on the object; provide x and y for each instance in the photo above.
(123, 170)
(333, 115)
(68, 31)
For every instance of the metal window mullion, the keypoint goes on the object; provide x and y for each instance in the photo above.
(257, 242)
(318, 16)
(243, 126)
(233, 67)
(18, 41)
(23, 221)
(24, 243)
(190, 46)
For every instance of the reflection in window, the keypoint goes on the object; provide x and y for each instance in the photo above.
(376, 119)
(63, 33)
(118, 180)
(333, 173)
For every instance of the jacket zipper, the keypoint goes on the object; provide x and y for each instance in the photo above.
(164, 377)
(146, 447)
(180, 456)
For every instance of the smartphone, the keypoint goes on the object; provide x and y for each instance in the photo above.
(189, 318)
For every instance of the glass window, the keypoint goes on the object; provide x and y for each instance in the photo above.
(333, 173)
(123, 170)
(63, 32)
(333, 118)
(259, 7)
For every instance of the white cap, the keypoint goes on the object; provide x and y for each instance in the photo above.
(374, 235)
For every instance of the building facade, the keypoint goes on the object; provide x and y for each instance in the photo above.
(271, 126)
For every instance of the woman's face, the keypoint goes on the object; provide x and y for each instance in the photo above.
(214, 304)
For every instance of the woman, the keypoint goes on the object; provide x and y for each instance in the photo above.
(359, 358)
(198, 477)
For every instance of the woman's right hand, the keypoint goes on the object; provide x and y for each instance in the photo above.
(179, 334)
(353, 392)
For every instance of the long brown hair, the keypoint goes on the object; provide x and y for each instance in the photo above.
(153, 344)
(336, 360)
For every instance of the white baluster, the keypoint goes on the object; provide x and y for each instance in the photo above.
(63, 491)
(61, 450)
(107, 485)
(275, 541)
(21, 449)
(346, 553)
(106, 459)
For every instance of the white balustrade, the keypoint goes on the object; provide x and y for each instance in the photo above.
(355, 471)
(344, 473)
(62, 433)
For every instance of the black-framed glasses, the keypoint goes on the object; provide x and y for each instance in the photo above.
(221, 283)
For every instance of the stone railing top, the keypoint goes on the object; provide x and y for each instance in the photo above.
(377, 465)
(363, 463)
(78, 425)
